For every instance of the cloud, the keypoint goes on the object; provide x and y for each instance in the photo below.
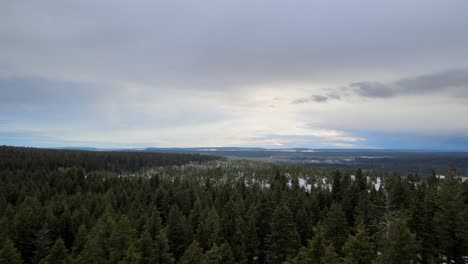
(313, 98)
(38, 91)
(185, 73)
(453, 82)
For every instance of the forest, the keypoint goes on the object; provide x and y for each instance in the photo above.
(68, 206)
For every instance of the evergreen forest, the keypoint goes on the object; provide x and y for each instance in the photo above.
(70, 206)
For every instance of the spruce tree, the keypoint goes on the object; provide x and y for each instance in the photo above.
(399, 244)
(131, 256)
(284, 240)
(336, 226)
(80, 240)
(321, 250)
(177, 232)
(358, 248)
(58, 254)
(193, 254)
(450, 220)
(147, 248)
(220, 255)
(9, 254)
(120, 239)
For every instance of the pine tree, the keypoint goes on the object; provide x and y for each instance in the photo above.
(303, 225)
(284, 239)
(399, 245)
(58, 254)
(131, 256)
(358, 248)
(220, 255)
(177, 232)
(9, 254)
(42, 243)
(232, 229)
(147, 248)
(337, 187)
(26, 223)
(336, 226)
(208, 232)
(251, 238)
(93, 252)
(193, 254)
(196, 214)
(450, 220)
(361, 180)
(320, 250)
(120, 239)
(80, 240)
(153, 243)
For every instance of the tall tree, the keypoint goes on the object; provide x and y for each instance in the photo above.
(58, 254)
(336, 226)
(358, 248)
(9, 254)
(399, 244)
(451, 219)
(131, 256)
(177, 232)
(220, 254)
(193, 254)
(284, 239)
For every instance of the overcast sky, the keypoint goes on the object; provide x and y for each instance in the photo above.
(319, 74)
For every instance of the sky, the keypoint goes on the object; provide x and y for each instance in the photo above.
(262, 73)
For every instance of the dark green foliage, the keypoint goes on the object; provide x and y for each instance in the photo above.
(320, 250)
(177, 232)
(335, 226)
(398, 245)
(134, 208)
(220, 255)
(358, 248)
(284, 238)
(58, 254)
(193, 254)
(131, 256)
(9, 254)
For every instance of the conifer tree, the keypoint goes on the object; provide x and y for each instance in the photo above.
(9, 254)
(358, 249)
(336, 226)
(337, 186)
(208, 232)
(284, 239)
(80, 240)
(131, 256)
(58, 254)
(233, 229)
(251, 238)
(177, 232)
(193, 254)
(93, 252)
(220, 255)
(451, 224)
(120, 239)
(147, 248)
(321, 250)
(399, 245)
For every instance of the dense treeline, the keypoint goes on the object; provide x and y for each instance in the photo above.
(224, 212)
(34, 159)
